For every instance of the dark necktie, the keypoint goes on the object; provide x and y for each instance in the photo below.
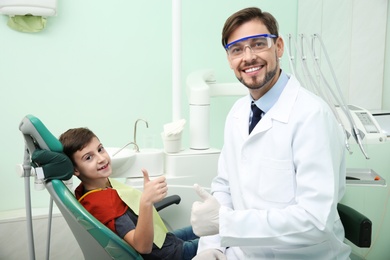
(255, 117)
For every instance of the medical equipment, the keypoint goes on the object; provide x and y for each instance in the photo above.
(356, 121)
(94, 238)
(201, 87)
(28, 7)
(370, 130)
(383, 119)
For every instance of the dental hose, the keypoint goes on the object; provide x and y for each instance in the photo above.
(355, 130)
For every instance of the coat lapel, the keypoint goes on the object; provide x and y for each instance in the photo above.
(281, 111)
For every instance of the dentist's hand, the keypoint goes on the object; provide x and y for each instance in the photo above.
(210, 254)
(205, 214)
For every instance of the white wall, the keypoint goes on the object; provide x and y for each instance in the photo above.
(354, 33)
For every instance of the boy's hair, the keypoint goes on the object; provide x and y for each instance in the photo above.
(75, 139)
(245, 15)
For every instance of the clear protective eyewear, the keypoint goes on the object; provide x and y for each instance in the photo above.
(257, 43)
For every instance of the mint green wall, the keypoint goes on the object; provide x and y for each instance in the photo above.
(96, 64)
(104, 65)
(386, 87)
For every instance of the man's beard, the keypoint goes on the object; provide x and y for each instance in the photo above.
(267, 78)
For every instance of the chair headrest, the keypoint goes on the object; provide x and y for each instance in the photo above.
(54, 165)
(38, 136)
(46, 150)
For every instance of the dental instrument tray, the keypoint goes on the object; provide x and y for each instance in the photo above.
(364, 176)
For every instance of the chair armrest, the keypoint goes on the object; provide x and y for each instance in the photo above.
(358, 227)
(173, 199)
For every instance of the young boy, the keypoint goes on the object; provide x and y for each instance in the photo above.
(126, 211)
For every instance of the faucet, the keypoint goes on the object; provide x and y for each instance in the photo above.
(135, 131)
(136, 148)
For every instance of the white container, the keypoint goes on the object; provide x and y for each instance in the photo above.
(172, 143)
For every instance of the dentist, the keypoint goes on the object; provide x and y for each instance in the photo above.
(279, 181)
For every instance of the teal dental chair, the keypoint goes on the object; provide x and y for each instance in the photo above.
(95, 239)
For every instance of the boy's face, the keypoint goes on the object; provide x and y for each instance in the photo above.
(92, 162)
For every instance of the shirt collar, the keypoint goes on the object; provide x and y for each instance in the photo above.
(269, 99)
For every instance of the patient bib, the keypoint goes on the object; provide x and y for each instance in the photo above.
(132, 197)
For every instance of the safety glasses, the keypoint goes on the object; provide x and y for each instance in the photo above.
(256, 43)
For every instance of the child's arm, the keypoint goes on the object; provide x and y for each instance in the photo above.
(141, 238)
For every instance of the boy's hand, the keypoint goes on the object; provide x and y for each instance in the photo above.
(154, 190)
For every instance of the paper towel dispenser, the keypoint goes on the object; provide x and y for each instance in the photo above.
(28, 7)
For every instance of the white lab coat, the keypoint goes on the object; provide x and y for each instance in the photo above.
(280, 185)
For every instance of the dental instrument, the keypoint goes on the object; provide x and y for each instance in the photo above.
(343, 105)
(309, 78)
(344, 113)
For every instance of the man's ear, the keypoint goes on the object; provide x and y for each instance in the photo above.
(279, 47)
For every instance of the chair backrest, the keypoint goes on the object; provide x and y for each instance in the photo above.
(358, 228)
(95, 239)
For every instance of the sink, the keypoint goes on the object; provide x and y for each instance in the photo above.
(128, 163)
(121, 162)
(150, 159)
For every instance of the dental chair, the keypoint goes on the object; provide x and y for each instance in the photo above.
(95, 239)
(357, 227)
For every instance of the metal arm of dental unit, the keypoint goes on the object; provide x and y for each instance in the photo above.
(201, 86)
(360, 129)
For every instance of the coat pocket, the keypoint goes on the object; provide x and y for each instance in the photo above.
(276, 180)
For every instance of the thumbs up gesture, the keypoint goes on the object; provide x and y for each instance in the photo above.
(205, 214)
(154, 190)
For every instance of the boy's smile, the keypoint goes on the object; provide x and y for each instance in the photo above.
(93, 165)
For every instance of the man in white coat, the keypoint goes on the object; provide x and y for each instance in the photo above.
(277, 188)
